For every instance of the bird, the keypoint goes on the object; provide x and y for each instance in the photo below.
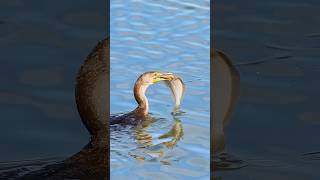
(92, 100)
(141, 85)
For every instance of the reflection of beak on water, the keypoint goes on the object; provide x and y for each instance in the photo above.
(150, 151)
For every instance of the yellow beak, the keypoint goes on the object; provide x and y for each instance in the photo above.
(163, 77)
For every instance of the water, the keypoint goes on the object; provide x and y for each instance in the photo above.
(169, 36)
(42, 46)
(275, 128)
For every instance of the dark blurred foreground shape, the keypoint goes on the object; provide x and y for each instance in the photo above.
(225, 85)
(92, 98)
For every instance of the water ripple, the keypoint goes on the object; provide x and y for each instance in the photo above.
(166, 36)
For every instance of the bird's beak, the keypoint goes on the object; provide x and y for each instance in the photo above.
(163, 77)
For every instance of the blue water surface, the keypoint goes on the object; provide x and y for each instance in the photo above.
(170, 36)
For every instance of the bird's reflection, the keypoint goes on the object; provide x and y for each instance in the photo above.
(225, 88)
(148, 149)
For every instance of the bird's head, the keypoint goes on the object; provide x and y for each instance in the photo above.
(153, 77)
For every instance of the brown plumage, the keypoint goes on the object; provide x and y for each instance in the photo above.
(92, 92)
(225, 85)
(92, 99)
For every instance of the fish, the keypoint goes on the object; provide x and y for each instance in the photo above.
(177, 88)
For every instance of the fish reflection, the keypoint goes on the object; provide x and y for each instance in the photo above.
(225, 85)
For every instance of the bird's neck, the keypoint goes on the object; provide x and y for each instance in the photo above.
(139, 94)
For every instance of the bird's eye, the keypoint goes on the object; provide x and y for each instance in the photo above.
(156, 74)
